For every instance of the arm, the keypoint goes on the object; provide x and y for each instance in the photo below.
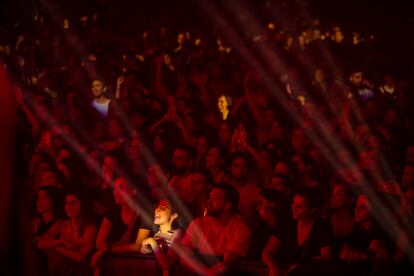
(119, 82)
(132, 247)
(49, 240)
(165, 260)
(86, 248)
(103, 234)
(269, 253)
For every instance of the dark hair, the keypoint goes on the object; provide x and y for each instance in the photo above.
(313, 197)
(56, 199)
(85, 208)
(231, 195)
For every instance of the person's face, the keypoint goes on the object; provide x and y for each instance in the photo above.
(198, 184)
(202, 146)
(300, 164)
(181, 160)
(43, 202)
(282, 168)
(239, 168)
(163, 213)
(222, 104)
(339, 198)
(48, 179)
(265, 209)
(122, 190)
(216, 202)
(277, 184)
(97, 88)
(300, 208)
(63, 154)
(108, 168)
(408, 177)
(72, 206)
(356, 78)
(158, 145)
(63, 169)
(362, 210)
(213, 158)
(319, 75)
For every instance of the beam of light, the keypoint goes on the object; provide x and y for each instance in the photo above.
(331, 144)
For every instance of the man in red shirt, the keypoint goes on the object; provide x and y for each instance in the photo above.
(221, 234)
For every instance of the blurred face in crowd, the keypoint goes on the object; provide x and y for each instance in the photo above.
(63, 168)
(43, 202)
(63, 154)
(134, 149)
(300, 208)
(181, 161)
(122, 191)
(239, 168)
(216, 202)
(155, 179)
(108, 167)
(319, 75)
(98, 88)
(72, 206)
(214, 158)
(202, 146)
(277, 183)
(265, 210)
(198, 185)
(362, 210)
(356, 78)
(339, 198)
(281, 168)
(48, 179)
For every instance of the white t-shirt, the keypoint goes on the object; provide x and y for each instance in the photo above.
(101, 107)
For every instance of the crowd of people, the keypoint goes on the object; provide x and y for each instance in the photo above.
(159, 140)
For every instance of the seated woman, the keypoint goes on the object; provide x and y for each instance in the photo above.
(165, 218)
(123, 228)
(308, 239)
(71, 239)
(47, 210)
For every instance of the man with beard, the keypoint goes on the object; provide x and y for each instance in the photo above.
(183, 165)
(221, 237)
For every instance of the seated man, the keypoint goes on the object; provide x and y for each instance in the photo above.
(221, 234)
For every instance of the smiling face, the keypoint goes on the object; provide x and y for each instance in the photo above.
(98, 88)
(222, 104)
